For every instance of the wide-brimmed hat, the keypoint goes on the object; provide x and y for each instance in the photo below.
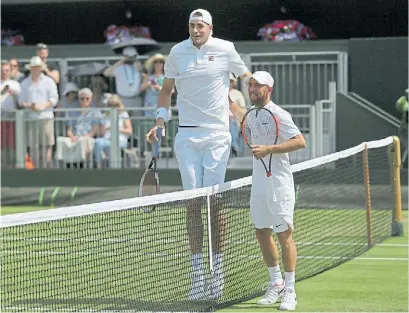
(149, 62)
(35, 61)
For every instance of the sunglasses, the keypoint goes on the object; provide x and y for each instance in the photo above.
(84, 98)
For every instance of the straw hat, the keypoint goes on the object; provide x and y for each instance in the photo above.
(149, 62)
(35, 61)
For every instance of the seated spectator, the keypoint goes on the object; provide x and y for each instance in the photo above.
(50, 69)
(10, 89)
(402, 105)
(99, 88)
(15, 70)
(39, 95)
(103, 144)
(86, 124)
(69, 100)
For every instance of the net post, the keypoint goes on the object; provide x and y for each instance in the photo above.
(397, 225)
(367, 197)
(209, 232)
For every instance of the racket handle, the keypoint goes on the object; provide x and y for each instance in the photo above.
(268, 174)
(156, 145)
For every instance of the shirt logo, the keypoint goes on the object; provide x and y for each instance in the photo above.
(211, 58)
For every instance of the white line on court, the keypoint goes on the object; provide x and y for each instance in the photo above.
(148, 239)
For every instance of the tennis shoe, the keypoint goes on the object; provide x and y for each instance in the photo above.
(214, 290)
(272, 295)
(197, 291)
(289, 300)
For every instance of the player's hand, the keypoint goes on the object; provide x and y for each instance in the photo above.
(151, 135)
(259, 151)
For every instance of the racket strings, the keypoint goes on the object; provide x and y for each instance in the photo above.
(262, 127)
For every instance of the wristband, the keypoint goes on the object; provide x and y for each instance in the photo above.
(161, 112)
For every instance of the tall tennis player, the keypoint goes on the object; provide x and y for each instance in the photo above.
(200, 67)
(271, 133)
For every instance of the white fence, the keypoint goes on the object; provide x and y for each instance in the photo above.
(305, 84)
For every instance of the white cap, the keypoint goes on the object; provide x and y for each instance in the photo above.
(232, 77)
(206, 16)
(263, 78)
(130, 52)
(70, 87)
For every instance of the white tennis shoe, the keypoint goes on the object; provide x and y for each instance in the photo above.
(289, 300)
(197, 292)
(215, 287)
(272, 295)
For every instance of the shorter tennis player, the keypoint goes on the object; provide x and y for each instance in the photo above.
(273, 198)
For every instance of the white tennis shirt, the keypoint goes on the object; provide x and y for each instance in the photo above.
(202, 81)
(280, 186)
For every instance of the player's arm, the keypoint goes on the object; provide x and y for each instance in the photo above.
(237, 110)
(237, 65)
(165, 98)
(292, 144)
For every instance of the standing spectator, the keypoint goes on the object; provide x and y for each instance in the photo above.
(103, 144)
(234, 124)
(39, 94)
(127, 73)
(152, 84)
(10, 90)
(69, 100)
(98, 87)
(15, 70)
(50, 69)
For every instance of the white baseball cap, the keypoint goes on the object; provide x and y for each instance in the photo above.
(232, 77)
(263, 78)
(206, 16)
(35, 61)
(130, 52)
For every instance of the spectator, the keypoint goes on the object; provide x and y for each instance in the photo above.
(85, 124)
(50, 69)
(69, 100)
(10, 89)
(39, 95)
(127, 73)
(234, 125)
(15, 70)
(98, 87)
(103, 144)
(152, 84)
(402, 105)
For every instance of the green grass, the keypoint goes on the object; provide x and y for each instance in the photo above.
(106, 256)
(5, 210)
(356, 286)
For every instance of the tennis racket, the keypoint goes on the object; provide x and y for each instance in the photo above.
(260, 127)
(149, 184)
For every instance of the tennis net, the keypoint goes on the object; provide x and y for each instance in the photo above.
(115, 257)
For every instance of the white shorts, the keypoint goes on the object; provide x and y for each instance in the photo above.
(202, 155)
(269, 211)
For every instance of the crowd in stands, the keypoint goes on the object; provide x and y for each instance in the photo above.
(86, 137)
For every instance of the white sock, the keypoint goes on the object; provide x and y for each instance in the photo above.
(289, 280)
(197, 262)
(275, 275)
(217, 263)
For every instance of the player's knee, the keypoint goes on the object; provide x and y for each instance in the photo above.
(285, 238)
(263, 234)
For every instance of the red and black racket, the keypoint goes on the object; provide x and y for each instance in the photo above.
(260, 127)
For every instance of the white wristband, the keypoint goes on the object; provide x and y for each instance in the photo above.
(162, 113)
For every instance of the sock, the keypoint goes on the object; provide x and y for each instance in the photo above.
(275, 275)
(197, 262)
(217, 263)
(289, 280)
